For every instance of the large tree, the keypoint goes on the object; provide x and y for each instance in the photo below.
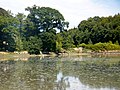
(45, 19)
(7, 23)
(44, 22)
(10, 31)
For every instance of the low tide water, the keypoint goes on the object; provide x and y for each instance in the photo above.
(61, 73)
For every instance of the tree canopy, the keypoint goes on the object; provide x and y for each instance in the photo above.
(37, 31)
(45, 19)
(4, 13)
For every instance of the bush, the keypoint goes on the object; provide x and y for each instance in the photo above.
(101, 46)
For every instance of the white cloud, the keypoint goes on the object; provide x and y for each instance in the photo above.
(73, 10)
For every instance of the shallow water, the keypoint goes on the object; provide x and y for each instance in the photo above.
(61, 73)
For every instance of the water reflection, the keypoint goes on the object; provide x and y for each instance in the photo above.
(68, 73)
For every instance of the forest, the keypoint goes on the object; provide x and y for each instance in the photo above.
(45, 29)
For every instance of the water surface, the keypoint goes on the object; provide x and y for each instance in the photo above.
(61, 73)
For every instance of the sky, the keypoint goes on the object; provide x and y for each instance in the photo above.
(74, 11)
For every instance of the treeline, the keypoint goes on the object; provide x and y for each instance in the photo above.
(103, 32)
(38, 31)
(35, 32)
(104, 29)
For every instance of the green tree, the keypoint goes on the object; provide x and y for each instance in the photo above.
(10, 35)
(10, 38)
(21, 29)
(34, 45)
(59, 40)
(8, 31)
(45, 19)
(3, 23)
(67, 41)
(102, 29)
(4, 13)
(45, 22)
(49, 41)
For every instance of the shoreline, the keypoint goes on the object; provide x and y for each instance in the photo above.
(25, 57)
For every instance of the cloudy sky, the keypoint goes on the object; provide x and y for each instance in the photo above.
(73, 11)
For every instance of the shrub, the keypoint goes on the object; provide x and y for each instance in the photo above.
(101, 46)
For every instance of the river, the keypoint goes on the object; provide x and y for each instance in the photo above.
(61, 73)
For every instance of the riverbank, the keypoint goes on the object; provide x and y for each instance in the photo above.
(17, 56)
(109, 52)
(26, 56)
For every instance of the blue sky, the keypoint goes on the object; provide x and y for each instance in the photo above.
(73, 11)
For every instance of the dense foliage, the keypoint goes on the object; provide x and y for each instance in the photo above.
(37, 31)
(102, 29)
(101, 46)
